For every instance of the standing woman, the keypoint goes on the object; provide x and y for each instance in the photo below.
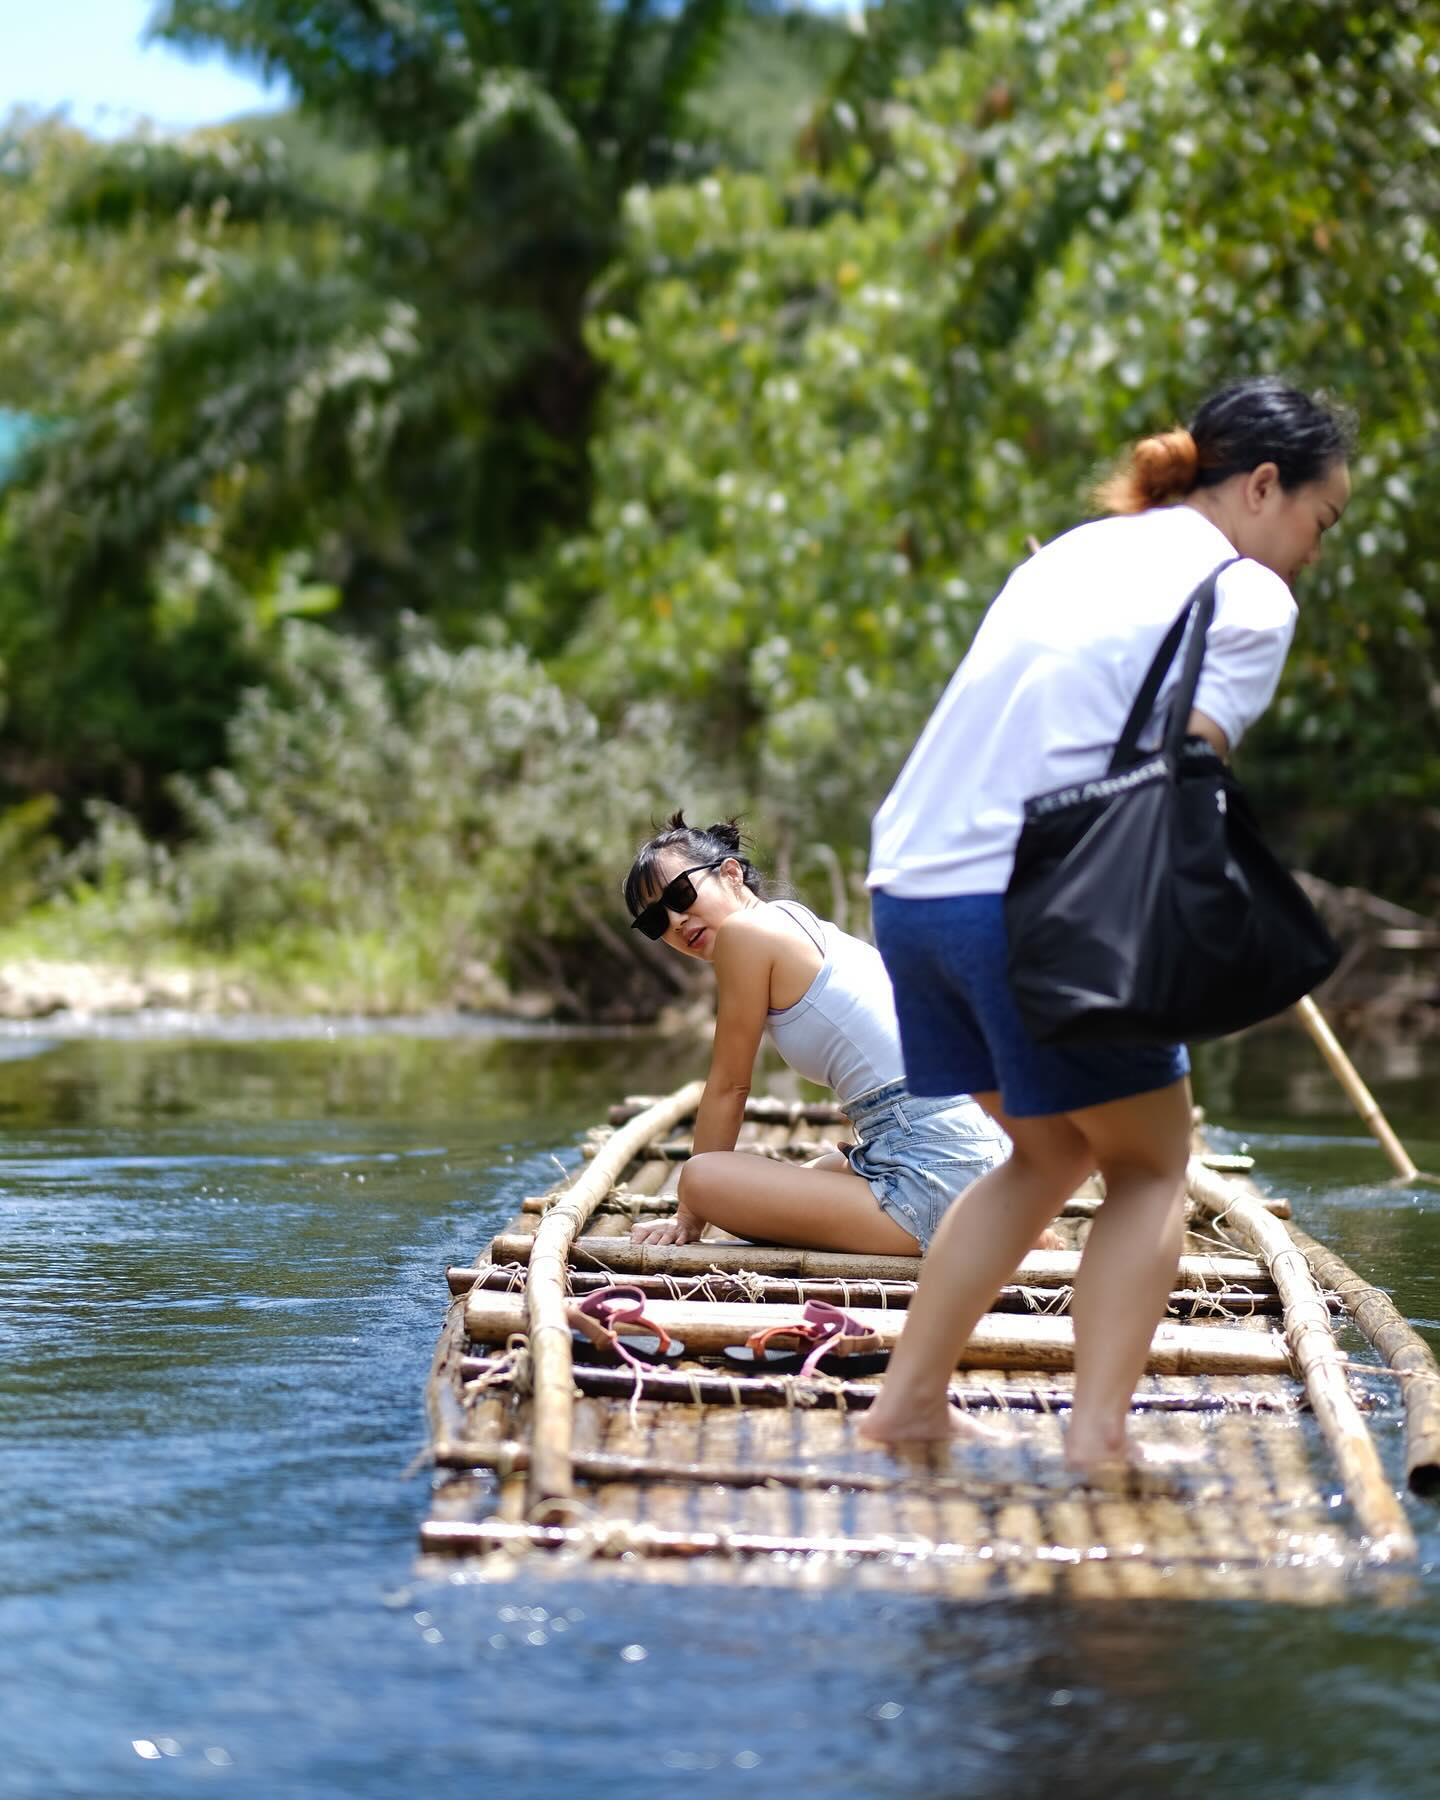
(1038, 703)
(826, 999)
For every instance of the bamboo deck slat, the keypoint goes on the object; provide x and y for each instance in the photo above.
(1041, 1268)
(695, 1474)
(1000, 1341)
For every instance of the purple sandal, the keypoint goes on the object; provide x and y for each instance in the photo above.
(825, 1338)
(595, 1324)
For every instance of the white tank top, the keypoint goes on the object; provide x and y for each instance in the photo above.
(842, 1031)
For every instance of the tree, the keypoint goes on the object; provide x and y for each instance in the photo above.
(832, 427)
(364, 382)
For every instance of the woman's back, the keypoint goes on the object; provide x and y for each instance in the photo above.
(1041, 697)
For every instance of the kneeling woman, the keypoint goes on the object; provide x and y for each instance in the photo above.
(827, 1000)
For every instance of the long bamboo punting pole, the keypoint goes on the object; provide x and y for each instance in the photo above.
(1312, 1342)
(1041, 1268)
(1359, 1095)
(543, 1310)
(999, 1341)
(1404, 1350)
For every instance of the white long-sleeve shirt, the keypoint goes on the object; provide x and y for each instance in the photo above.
(1043, 693)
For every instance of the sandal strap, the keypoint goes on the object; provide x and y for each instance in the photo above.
(602, 1312)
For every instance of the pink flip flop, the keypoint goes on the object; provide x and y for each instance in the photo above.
(825, 1337)
(595, 1324)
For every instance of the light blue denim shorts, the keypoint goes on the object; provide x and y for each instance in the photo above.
(919, 1154)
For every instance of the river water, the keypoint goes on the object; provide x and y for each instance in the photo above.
(224, 1277)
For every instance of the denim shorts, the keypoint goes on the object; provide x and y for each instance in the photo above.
(918, 1155)
(961, 1031)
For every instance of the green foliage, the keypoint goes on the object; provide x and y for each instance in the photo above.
(452, 814)
(353, 366)
(370, 362)
(394, 379)
(27, 854)
(831, 430)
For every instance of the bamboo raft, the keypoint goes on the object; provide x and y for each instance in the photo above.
(1262, 1477)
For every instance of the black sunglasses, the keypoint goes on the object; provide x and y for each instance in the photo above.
(676, 896)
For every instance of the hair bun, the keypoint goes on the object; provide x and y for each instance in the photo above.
(1159, 469)
(726, 832)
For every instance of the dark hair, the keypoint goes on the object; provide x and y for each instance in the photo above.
(697, 844)
(1238, 428)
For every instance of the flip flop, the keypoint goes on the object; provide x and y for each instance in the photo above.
(755, 1357)
(595, 1334)
(825, 1338)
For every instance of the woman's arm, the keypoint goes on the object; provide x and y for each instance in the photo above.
(1201, 725)
(744, 958)
(743, 961)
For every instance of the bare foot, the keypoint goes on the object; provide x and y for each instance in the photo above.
(1098, 1455)
(1049, 1240)
(899, 1423)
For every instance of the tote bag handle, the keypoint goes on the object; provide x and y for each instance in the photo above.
(1200, 606)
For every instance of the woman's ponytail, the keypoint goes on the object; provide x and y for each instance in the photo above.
(1159, 470)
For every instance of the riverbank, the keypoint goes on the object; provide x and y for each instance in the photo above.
(46, 988)
(65, 997)
(57, 999)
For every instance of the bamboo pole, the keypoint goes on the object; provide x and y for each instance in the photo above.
(1405, 1351)
(624, 1537)
(1041, 1268)
(1079, 1206)
(1016, 1297)
(760, 1109)
(617, 1537)
(694, 1387)
(1312, 1343)
(542, 1313)
(1003, 1341)
(609, 1466)
(1359, 1095)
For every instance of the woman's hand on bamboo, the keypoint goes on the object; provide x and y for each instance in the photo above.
(683, 1228)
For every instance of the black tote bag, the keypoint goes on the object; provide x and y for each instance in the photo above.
(1144, 906)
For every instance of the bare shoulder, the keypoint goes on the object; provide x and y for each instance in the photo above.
(747, 938)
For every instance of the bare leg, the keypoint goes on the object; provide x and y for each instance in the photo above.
(1129, 1263)
(981, 1241)
(819, 1205)
(822, 1205)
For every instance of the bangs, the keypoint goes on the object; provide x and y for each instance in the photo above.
(643, 884)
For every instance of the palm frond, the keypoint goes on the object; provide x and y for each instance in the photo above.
(389, 67)
(656, 114)
(633, 17)
(243, 183)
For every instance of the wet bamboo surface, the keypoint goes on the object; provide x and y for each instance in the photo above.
(697, 1473)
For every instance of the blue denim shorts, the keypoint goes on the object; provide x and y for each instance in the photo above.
(918, 1155)
(960, 1029)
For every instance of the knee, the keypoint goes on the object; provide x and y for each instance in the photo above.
(1058, 1158)
(1156, 1166)
(699, 1181)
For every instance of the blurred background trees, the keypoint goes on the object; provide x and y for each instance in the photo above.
(700, 370)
